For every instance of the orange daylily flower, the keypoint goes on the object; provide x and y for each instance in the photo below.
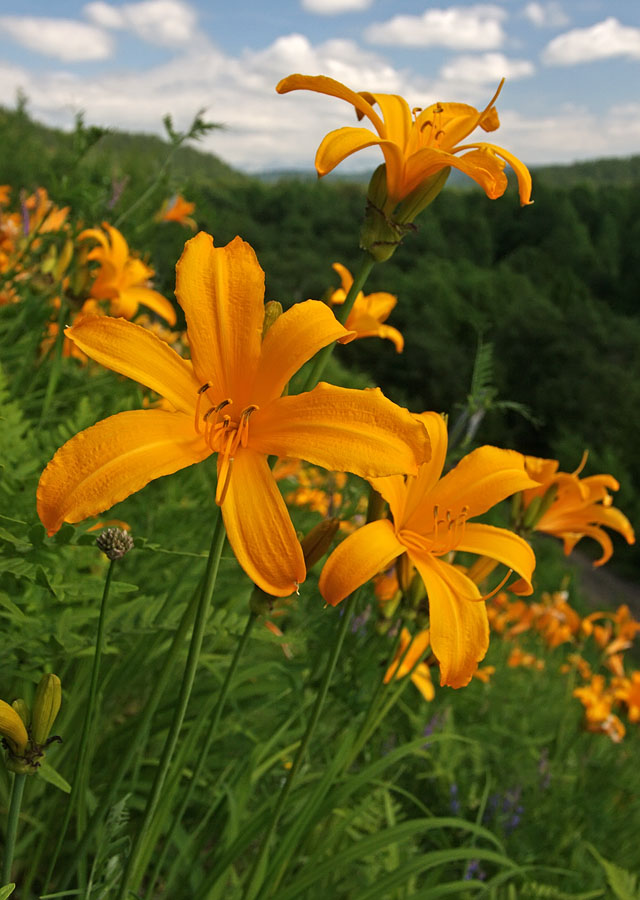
(227, 400)
(415, 144)
(368, 312)
(430, 521)
(5, 193)
(406, 656)
(598, 698)
(123, 279)
(44, 215)
(178, 210)
(627, 690)
(579, 508)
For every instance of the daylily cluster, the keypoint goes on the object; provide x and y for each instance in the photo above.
(571, 508)
(20, 242)
(369, 312)
(228, 399)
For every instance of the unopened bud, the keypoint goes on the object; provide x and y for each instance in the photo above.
(22, 709)
(45, 708)
(317, 541)
(418, 200)
(375, 507)
(64, 259)
(404, 572)
(272, 311)
(12, 729)
(114, 542)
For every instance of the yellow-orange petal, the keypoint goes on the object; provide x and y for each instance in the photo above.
(101, 466)
(142, 296)
(393, 489)
(379, 305)
(137, 353)
(459, 626)
(322, 84)
(480, 480)
(343, 430)
(502, 545)
(397, 118)
(341, 143)
(357, 559)
(221, 290)
(422, 680)
(259, 528)
(420, 488)
(12, 728)
(365, 325)
(293, 339)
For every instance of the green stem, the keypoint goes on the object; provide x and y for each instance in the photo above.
(149, 190)
(131, 875)
(135, 743)
(204, 752)
(322, 357)
(254, 880)
(79, 774)
(17, 791)
(54, 371)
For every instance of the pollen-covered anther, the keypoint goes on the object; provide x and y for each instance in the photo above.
(225, 437)
(201, 391)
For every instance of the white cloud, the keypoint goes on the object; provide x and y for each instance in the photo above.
(461, 27)
(332, 7)
(488, 68)
(606, 39)
(546, 15)
(63, 39)
(164, 22)
(265, 131)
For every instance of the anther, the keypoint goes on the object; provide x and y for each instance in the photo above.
(205, 387)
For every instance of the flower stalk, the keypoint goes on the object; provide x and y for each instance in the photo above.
(132, 874)
(17, 790)
(255, 879)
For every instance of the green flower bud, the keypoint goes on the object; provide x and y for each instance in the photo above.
(272, 311)
(45, 708)
(22, 709)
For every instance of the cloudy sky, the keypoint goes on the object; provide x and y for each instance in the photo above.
(572, 68)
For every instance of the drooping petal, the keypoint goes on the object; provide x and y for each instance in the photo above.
(137, 353)
(571, 538)
(221, 291)
(422, 680)
(357, 559)
(293, 339)
(101, 466)
(321, 84)
(337, 145)
(342, 430)
(259, 528)
(142, 296)
(459, 626)
(365, 326)
(480, 480)
(502, 545)
(379, 305)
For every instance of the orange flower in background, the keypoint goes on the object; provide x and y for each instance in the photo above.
(598, 698)
(368, 312)
(407, 655)
(5, 193)
(123, 279)
(518, 657)
(430, 521)
(177, 209)
(627, 690)
(43, 214)
(416, 144)
(572, 508)
(227, 400)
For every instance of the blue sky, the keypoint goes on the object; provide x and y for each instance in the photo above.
(572, 68)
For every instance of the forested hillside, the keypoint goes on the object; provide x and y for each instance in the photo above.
(553, 287)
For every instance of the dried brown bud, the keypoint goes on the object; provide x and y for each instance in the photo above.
(114, 542)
